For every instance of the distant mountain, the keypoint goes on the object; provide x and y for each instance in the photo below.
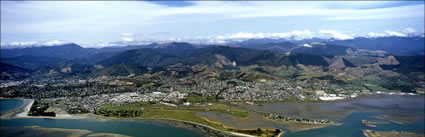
(141, 57)
(281, 40)
(410, 63)
(216, 55)
(176, 59)
(413, 45)
(115, 49)
(312, 48)
(11, 69)
(101, 56)
(175, 48)
(261, 41)
(31, 62)
(66, 51)
(157, 55)
(67, 70)
(393, 45)
(322, 49)
(8, 71)
(322, 56)
(119, 70)
(279, 47)
(226, 56)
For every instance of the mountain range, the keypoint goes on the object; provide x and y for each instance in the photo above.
(403, 55)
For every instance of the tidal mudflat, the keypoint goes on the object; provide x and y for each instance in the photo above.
(401, 118)
(371, 133)
(337, 110)
(395, 113)
(37, 131)
(398, 113)
(256, 120)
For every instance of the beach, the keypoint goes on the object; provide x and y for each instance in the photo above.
(254, 121)
(23, 110)
(20, 112)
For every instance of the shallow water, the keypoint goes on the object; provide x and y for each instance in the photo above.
(9, 104)
(353, 127)
(339, 110)
(252, 122)
(130, 128)
(348, 112)
(352, 112)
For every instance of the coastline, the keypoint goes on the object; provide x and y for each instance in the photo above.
(23, 110)
(348, 99)
(206, 129)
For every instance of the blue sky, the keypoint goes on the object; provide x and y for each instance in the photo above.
(100, 23)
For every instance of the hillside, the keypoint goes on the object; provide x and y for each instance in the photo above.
(66, 51)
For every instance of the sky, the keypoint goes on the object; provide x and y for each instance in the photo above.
(112, 23)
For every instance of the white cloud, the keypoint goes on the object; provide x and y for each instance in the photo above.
(80, 15)
(240, 35)
(79, 20)
(105, 44)
(306, 34)
(23, 44)
(409, 30)
(335, 34)
(307, 45)
(127, 39)
(117, 43)
(54, 43)
(174, 39)
(295, 34)
(224, 39)
(389, 33)
(395, 33)
(376, 35)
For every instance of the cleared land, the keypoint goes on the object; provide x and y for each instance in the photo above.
(146, 110)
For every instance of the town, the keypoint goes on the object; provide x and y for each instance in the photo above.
(94, 92)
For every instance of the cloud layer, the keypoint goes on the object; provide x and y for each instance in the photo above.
(33, 44)
(209, 21)
(128, 38)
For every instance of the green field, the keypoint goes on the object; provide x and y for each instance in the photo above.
(148, 110)
(156, 110)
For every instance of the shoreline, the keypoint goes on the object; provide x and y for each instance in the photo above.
(155, 120)
(25, 108)
(348, 99)
(22, 112)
